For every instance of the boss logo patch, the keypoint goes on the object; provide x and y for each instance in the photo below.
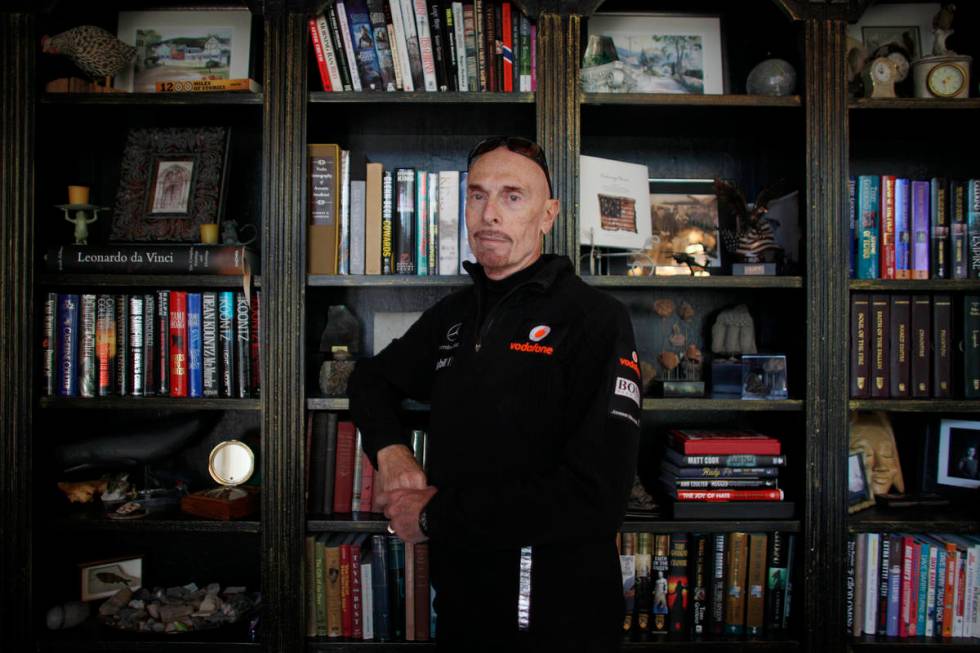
(627, 388)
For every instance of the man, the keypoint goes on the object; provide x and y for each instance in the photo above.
(533, 382)
(968, 464)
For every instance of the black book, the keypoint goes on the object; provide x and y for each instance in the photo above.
(404, 221)
(712, 473)
(959, 238)
(777, 576)
(939, 267)
(150, 375)
(731, 460)
(700, 554)
(971, 346)
(860, 346)
(437, 29)
(209, 345)
(163, 342)
(137, 367)
(123, 355)
(678, 590)
(87, 365)
(449, 30)
(49, 341)
(880, 386)
(226, 342)
(716, 624)
(900, 346)
(885, 560)
(942, 347)
(243, 366)
(732, 509)
(337, 41)
(921, 345)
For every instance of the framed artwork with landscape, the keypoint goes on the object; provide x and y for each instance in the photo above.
(654, 53)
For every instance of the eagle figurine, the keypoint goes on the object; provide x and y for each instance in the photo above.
(99, 54)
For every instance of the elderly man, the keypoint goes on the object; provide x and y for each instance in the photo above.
(534, 387)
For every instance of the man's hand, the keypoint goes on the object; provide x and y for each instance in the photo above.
(402, 508)
(399, 470)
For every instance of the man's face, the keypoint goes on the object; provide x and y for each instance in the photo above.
(507, 211)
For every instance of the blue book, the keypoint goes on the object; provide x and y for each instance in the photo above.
(226, 342)
(396, 586)
(920, 229)
(379, 588)
(869, 223)
(923, 589)
(903, 234)
(895, 560)
(422, 234)
(194, 358)
(852, 220)
(67, 345)
(973, 226)
(362, 39)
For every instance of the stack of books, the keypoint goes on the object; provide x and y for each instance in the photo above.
(718, 474)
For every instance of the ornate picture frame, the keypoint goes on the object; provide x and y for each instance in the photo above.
(171, 181)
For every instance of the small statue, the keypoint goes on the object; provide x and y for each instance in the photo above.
(872, 433)
(81, 222)
(942, 28)
(754, 239)
(733, 332)
(341, 339)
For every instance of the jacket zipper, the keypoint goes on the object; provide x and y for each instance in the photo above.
(486, 327)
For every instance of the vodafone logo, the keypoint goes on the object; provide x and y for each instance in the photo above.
(635, 359)
(539, 333)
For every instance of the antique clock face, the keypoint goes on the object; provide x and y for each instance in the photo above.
(880, 78)
(945, 80)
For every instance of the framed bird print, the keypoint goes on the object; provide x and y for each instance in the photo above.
(184, 45)
(103, 578)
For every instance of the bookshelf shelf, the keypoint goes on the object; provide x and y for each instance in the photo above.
(935, 285)
(148, 403)
(384, 281)
(656, 404)
(687, 281)
(706, 644)
(931, 519)
(914, 103)
(917, 405)
(419, 97)
(149, 646)
(953, 645)
(342, 403)
(150, 524)
(59, 280)
(229, 98)
(674, 100)
(372, 525)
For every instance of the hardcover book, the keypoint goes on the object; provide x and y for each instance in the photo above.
(899, 346)
(903, 230)
(421, 254)
(123, 359)
(718, 567)
(939, 267)
(860, 340)
(86, 346)
(151, 259)
(399, 49)
(718, 472)
(49, 342)
(755, 606)
(921, 346)
(776, 578)
(396, 586)
(942, 346)
(349, 82)
(105, 343)
(321, 60)
(373, 220)
(425, 45)
(382, 44)
(150, 373)
(412, 44)
(178, 344)
(332, 575)
(68, 345)
(730, 460)
(209, 344)
(971, 346)
(380, 594)
(887, 232)
(343, 490)
(700, 555)
(194, 363)
(920, 229)
(449, 222)
(403, 226)
(735, 579)
(226, 342)
(973, 225)
(660, 573)
(723, 442)
(644, 583)
(627, 568)
(137, 364)
(959, 238)
(324, 224)
(765, 494)
(678, 589)
(243, 359)
(869, 219)
(880, 321)
(163, 341)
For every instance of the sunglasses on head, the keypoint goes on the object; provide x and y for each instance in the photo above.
(518, 145)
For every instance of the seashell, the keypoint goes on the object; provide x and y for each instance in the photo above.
(669, 360)
(686, 311)
(663, 307)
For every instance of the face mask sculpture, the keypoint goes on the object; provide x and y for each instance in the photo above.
(873, 434)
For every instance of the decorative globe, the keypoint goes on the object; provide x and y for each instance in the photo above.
(771, 77)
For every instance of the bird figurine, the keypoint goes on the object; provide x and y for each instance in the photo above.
(95, 51)
(753, 240)
(942, 28)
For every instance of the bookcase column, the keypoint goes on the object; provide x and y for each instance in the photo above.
(282, 326)
(558, 55)
(826, 285)
(17, 84)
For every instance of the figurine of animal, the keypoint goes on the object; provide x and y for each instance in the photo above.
(99, 54)
(754, 239)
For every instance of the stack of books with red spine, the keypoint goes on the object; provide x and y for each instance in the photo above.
(736, 471)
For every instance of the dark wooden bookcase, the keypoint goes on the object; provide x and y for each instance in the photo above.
(815, 139)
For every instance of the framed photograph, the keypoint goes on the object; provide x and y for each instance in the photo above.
(171, 181)
(764, 376)
(103, 578)
(654, 53)
(184, 45)
(907, 36)
(684, 223)
(907, 24)
(859, 493)
(959, 453)
(614, 201)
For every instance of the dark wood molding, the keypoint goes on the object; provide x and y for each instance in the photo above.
(534, 8)
(282, 327)
(17, 84)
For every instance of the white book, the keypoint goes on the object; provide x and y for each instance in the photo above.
(425, 44)
(399, 49)
(367, 601)
(355, 78)
(449, 222)
(931, 590)
(433, 223)
(358, 190)
(975, 549)
(394, 46)
(970, 612)
(413, 54)
(343, 250)
(462, 79)
(614, 203)
(323, 29)
(871, 583)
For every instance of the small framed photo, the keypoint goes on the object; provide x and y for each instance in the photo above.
(959, 453)
(684, 226)
(654, 53)
(614, 203)
(103, 578)
(171, 182)
(184, 45)
(764, 376)
(859, 492)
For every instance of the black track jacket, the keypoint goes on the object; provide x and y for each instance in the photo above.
(532, 440)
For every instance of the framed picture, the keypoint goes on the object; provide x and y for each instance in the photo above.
(103, 578)
(684, 225)
(654, 53)
(907, 36)
(184, 45)
(614, 201)
(764, 376)
(907, 24)
(959, 453)
(859, 493)
(171, 182)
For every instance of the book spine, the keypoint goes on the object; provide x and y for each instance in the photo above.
(334, 599)
(735, 579)
(432, 223)
(678, 588)
(716, 624)
(755, 606)
(105, 343)
(387, 219)
(871, 579)
(380, 593)
(722, 443)
(226, 342)
(86, 347)
(507, 47)
(150, 373)
(643, 621)
(254, 342)
(771, 494)
(149, 259)
(449, 222)
(355, 501)
(903, 231)
(715, 484)
(860, 564)
(178, 344)
(340, 50)
(880, 321)
(380, 41)
(933, 574)
(627, 569)
(973, 225)
(959, 238)
(452, 50)
(163, 342)
(343, 236)
(939, 267)
(920, 230)
(465, 251)
(425, 45)
(893, 596)
(942, 575)
(480, 43)
(404, 221)
(321, 61)
(412, 43)
(899, 346)
(921, 343)
(440, 55)
(869, 219)
(68, 345)
(49, 346)
(887, 236)
(243, 367)
(330, 55)
(209, 344)
(357, 606)
(490, 41)
(343, 23)
(731, 460)
(421, 223)
(660, 585)
(396, 586)
(367, 484)
(701, 552)
(907, 611)
(971, 346)
(137, 365)
(346, 600)
(320, 586)
(884, 572)
(776, 585)
(860, 340)
(343, 489)
(396, 39)
(358, 189)
(459, 39)
(421, 591)
(367, 593)
(123, 359)
(195, 378)
(852, 223)
(922, 583)
(942, 347)
(525, 54)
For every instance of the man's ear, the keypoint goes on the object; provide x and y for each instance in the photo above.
(551, 213)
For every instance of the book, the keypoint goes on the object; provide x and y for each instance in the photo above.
(339, 48)
(718, 472)
(788, 603)
(643, 621)
(678, 588)
(151, 259)
(919, 220)
(123, 360)
(333, 580)
(899, 346)
(226, 343)
(886, 242)
(409, 592)
(973, 225)
(432, 223)
(755, 595)
(460, 44)
(700, 568)
(526, 50)
(942, 346)
(396, 586)
(358, 209)
(86, 346)
(150, 373)
(243, 359)
(884, 572)
(343, 234)
(765, 494)
(348, 43)
(412, 44)
(896, 562)
(627, 569)
(374, 248)
(195, 380)
(343, 489)
(860, 341)
(346, 597)
(736, 572)
(959, 240)
(971, 346)
(178, 344)
(660, 585)
(939, 259)
(506, 48)
(729, 460)
(367, 590)
(324, 217)
(163, 342)
(880, 321)
(871, 580)
(440, 50)
(326, 56)
(403, 222)
(716, 623)
(422, 30)
(382, 44)
(921, 346)
(67, 364)
(857, 561)
(49, 342)
(320, 584)
(715, 484)
(388, 262)
(356, 587)
(852, 226)
(776, 577)
(868, 193)
(420, 589)
(422, 232)
(448, 222)
(903, 230)
(105, 343)
(399, 53)
(380, 593)
(722, 442)
(209, 345)
(209, 85)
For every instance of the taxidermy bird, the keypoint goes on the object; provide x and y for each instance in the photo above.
(95, 51)
(942, 27)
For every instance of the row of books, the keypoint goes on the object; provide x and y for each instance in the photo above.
(694, 584)
(340, 478)
(721, 466)
(902, 346)
(365, 219)
(163, 342)
(430, 45)
(904, 585)
(362, 586)
(914, 229)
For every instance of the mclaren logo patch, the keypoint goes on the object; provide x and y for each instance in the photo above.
(539, 333)
(453, 334)
(628, 389)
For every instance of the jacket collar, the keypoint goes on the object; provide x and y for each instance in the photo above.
(554, 268)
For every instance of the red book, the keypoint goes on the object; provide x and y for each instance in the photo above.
(367, 484)
(178, 343)
(357, 612)
(253, 343)
(770, 494)
(507, 43)
(409, 588)
(698, 442)
(343, 485)
(887, 257)
(905, 599)
(321, 60)
(421, 589)
(346, 600)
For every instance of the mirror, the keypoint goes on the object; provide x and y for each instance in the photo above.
(231, 462)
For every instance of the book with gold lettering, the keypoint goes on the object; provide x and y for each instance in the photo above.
(138, 258)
